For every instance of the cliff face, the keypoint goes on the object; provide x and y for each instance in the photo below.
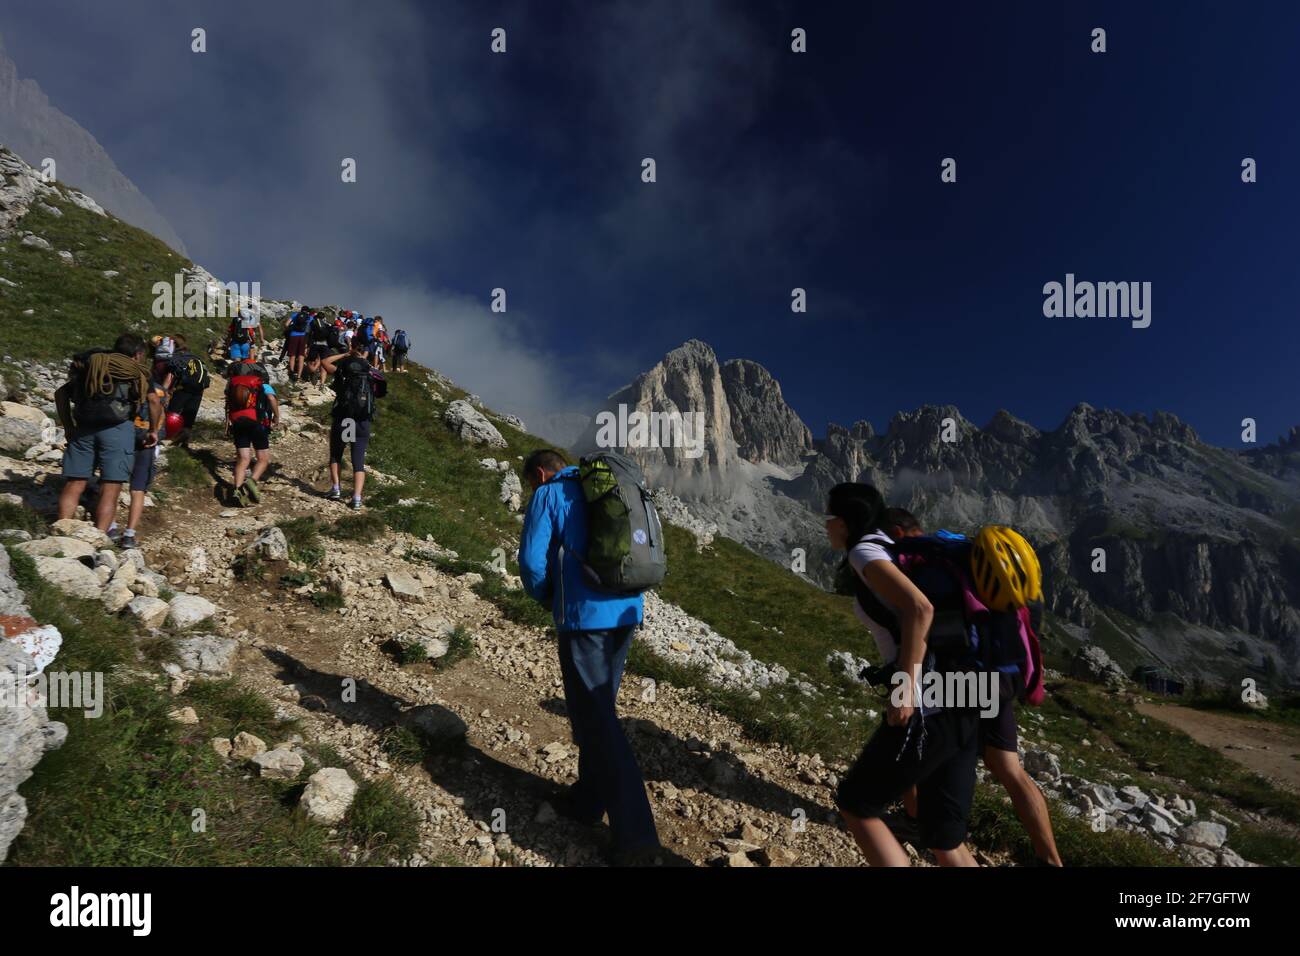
(1202, 534)
(35, 129)
(765, 427)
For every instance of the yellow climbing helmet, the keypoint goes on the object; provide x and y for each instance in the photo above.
(1005, 568)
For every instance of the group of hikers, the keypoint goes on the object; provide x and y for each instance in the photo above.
(936, 604)
(119, 404)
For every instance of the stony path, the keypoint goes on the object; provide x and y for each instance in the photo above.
(705, 779)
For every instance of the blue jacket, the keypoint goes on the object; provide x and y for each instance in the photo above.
(555, 532)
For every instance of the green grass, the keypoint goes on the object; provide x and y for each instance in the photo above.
(16, 516)
(123, 788)
(1282, 708)
(304, 538)
(87, 309)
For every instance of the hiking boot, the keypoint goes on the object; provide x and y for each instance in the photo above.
(356, 504)
(127, 540)
(334, 495)
(250, 489)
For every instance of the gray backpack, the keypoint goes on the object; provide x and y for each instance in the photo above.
(625, 541)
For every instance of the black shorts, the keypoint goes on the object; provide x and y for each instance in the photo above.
(1001, 732)
(317, 351)
(186, 405)
(943, 774)
(250, 434)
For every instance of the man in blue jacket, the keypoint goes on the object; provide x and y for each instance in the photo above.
(595, 633)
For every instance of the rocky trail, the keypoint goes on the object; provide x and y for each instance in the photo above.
(716, 798)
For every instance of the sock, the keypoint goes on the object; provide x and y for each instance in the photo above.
(334, 489)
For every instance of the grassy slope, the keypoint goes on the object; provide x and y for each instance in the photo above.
(74, 306)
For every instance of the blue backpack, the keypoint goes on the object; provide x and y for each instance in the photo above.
(402, 341)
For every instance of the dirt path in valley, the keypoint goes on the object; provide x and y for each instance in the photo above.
(1270, 750)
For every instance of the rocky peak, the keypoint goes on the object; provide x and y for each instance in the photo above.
(765, 427)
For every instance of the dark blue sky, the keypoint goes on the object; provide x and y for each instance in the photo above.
(775, 170)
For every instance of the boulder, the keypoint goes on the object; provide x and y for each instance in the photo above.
(58, 546)
(33, 241)
(24, 412)
(470, 425)
(279, 764)
(512, 491)
(186, 610)
(440, 726)
(70, 576)
(116, 596)
(17, 435)
(328, 795)
(245, 746)
(82, 531)
(270, 545)
(1092, 663)
(206, 653)
(149, 611)
(26, 735)
(1202, 833)
(403, 586)
(1043, 765)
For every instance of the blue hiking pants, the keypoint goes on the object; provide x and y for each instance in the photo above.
(609, 780)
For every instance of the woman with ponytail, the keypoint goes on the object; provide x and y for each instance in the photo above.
(918, 744)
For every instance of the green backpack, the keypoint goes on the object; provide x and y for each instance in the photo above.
(625, 541)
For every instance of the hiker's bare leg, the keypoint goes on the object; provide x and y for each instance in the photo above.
(106, 506)
(334, 474)
(1030, 804)
(875, 841)
(910, 805)
(263, 462)
(135, 511)
(358, 482)
(960, 856)
(241, 465)
(70, 496)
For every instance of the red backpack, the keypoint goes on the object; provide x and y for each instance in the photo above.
(244, 393)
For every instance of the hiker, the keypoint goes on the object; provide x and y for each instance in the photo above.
(322, 341)
(998, 738)
(190, 379)
(296, 328)
(932, 748)
(145, 465)
(595, 631)
(401, 345)
(356, 386)
(240, 338)
(252, 410)
(97, 407)
(378, 339)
